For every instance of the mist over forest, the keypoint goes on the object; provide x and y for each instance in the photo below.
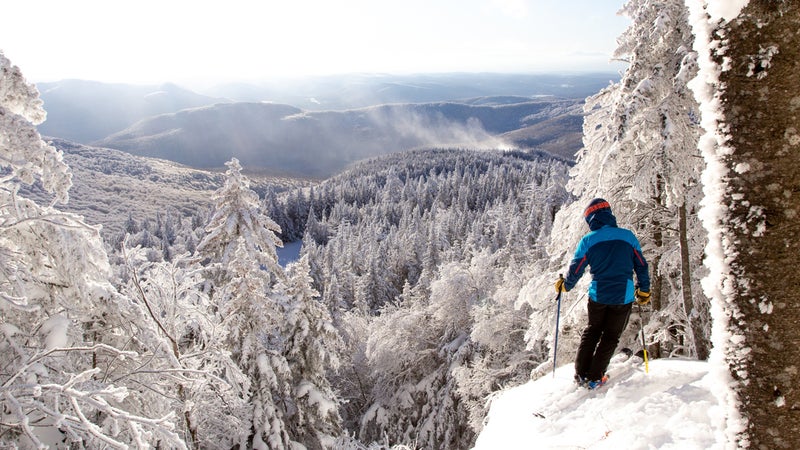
(277, 129)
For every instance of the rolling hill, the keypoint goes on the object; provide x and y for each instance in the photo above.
(315, 127)
(108, 185)
(85, 111)
(286, 140)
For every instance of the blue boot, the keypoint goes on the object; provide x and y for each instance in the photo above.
(597, 383)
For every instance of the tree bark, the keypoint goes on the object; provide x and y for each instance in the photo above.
(701, 343)
(761, 107)
(656, 278)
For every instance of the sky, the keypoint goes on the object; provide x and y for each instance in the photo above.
(200, 41)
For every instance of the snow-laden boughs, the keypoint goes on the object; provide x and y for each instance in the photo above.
(238, 214)
(380, 239)
(640, 153)
(22, 150)
(189, 369)
(425, 388)
(251, 315)
(311, 350)
(64, 344)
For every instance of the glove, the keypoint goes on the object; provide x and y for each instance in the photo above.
(560, 285)
(642, 297)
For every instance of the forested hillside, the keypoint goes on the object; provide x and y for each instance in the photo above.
(112, 188)
(425, 284)
(188, 334)
(433, 269)
(420, 257)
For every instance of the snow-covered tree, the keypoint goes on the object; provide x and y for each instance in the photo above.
(63, 380)
(186, 365)
(640, 153)
(311, 350)
(435, 360)
(237, 214)
(251, 317)
(243, 269)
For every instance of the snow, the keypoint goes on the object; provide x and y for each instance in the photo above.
(718, 284)
(726, 10)
(55, 329)
(672, 406)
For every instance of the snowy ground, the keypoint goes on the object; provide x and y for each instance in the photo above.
(671, 407)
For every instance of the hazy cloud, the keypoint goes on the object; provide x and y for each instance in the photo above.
(435, 130)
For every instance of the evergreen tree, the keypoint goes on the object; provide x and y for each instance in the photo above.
(64, 326)
(312, 344)
(243, 267)
(251, 318)
(237, 215)
(131, 227)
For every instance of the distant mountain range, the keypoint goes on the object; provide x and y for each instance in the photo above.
(287, 140)
(316, 127)
(87, 111)
(361, 90)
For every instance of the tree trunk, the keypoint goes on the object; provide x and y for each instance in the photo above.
(761, 107)
(656, 278)
(656, 283)
(693, 315)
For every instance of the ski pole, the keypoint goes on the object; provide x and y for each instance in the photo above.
(558, 316)
(644, 344)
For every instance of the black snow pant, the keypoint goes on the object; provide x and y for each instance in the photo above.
(600, 338)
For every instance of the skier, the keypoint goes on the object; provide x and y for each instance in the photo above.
(613, 254)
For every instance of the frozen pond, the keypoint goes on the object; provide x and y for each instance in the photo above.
(289, 253)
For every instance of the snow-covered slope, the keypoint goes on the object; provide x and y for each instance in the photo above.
(108, 185)
(670, 407)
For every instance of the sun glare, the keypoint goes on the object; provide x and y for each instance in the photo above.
(153, 41)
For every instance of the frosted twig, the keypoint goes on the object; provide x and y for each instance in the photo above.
(39, 356)
(16, 409)
(92, 428)
(18, 303)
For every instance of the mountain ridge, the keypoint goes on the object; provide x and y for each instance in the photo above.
(315, 127)
(84, 111)
(288, 140)
(359, 90)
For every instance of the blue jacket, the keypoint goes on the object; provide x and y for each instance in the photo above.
(612, 254)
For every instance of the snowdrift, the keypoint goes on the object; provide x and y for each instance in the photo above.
(671, 407)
